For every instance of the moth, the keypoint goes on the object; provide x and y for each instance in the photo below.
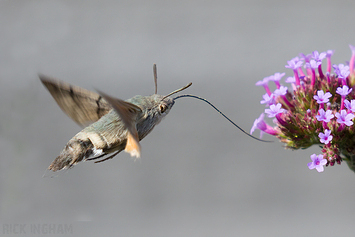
(111, 125)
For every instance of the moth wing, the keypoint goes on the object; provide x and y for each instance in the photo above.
(82, 106)
(128, 113)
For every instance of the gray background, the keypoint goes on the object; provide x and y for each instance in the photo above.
(198, 175)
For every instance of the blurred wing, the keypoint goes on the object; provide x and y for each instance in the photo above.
(128, 113)
(83, 106)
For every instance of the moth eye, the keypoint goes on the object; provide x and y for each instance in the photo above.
(162, 108)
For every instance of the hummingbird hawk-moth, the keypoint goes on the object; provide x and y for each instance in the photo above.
(112, 124)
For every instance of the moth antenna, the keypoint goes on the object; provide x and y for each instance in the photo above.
(178, 90)
(200, 98)
(155, 78)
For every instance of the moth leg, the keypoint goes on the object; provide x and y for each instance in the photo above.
(96, 157)
(107, 158)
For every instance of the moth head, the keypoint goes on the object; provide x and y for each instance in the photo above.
(164, 103)
(162, 106)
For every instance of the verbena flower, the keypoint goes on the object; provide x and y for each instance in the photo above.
(317, 163)
(350, 105)
(269, 99)
(322, 98)
(318, 109)
(263, 126)
(325, 137)
(344, 117)
(324, 116)
(343, 91)
(274, 110)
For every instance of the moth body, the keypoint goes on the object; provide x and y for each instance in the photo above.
(110, 133)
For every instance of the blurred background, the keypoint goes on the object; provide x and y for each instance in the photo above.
(198, 175)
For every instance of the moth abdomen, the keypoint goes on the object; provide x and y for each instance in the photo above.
(89, 144)
(74, 151)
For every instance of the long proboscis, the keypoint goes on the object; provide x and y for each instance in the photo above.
(200, 98)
